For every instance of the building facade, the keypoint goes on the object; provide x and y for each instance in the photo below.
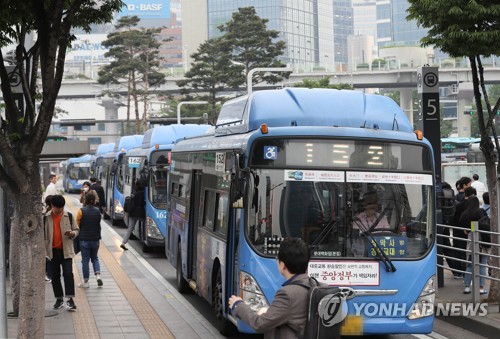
(315, 31)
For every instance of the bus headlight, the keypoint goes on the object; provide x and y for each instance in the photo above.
(152, 229)
(424, 306)
(251, 293)
(118, 207)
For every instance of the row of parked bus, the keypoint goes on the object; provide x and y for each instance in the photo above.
(119, 165)
(284, 163)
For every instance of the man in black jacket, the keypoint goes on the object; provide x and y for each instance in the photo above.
(94, 185)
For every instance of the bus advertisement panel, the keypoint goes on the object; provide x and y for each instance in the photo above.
(342, 170)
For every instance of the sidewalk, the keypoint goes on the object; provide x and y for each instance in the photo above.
(452, 292)
(135, 302)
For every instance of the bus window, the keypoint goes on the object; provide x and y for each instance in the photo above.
(222, 213)
(208, 209)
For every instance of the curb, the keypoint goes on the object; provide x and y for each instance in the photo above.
(483, 326)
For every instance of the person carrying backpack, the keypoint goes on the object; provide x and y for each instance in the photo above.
(136, 212)
(286, 317)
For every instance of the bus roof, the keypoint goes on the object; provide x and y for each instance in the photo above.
(127, 142)
(104, 148)
(168, 135)
(83, 158)
(311, 107)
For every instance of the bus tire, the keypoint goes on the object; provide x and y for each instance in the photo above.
(224, 326)
(182, 284)
(146, 248)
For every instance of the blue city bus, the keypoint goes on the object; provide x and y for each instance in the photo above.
(97, 159)
(301, 163)
(455, 149)
(150, 162)
(76, 173)
(111, 173)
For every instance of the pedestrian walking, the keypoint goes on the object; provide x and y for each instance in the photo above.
(136, 212)
(59, 229)
(87, 190)
(286, 317)
(88, 219)
(462, 184)
(96, 186)
(459, 236)
(48, 207)
(51, 187)
(473, 213)
(479, 186)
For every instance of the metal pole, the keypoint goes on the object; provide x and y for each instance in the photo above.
(3, 273)
(474, 261)
(187, 103)
(264, 69)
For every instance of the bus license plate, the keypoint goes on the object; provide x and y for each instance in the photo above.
(352, 325)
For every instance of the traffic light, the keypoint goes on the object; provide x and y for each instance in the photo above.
(469, 112)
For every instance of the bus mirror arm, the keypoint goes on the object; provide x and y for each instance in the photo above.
(239, 183)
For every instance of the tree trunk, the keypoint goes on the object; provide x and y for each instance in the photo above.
(129, 87)
(27, 251)
(136, 105)
(146, 89)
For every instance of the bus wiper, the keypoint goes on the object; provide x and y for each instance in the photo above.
(328, 228)
(389, 266)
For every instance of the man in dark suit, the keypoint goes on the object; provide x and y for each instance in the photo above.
(287, 315)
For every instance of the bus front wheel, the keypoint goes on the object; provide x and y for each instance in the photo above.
(182, 285)
(224, 326)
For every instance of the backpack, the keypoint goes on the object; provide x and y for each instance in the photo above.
(327, 308)
(127, 205)
(484, 225)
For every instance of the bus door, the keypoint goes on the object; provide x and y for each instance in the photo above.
(194, 208)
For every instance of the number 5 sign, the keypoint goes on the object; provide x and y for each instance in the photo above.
(428, 90)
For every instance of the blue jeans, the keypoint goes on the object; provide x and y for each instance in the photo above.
(89, 250)
(67, 271)
(482, 271)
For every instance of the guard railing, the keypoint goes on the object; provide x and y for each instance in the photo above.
(472, 256)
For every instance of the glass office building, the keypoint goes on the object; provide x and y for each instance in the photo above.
(315, 31)
(392, 27)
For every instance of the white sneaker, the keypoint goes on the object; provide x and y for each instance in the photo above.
(99, 280)
(467, 290)
(83, 285)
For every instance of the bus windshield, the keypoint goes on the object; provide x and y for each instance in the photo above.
(341, 212)
(78, 171)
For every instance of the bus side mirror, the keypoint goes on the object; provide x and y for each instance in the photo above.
(114, 168)
(238, 186)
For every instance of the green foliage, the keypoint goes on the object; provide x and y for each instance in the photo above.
(253, 45)
(135, 55)
(212, 72)
(321, 83)
(459, 27)
(223, 63)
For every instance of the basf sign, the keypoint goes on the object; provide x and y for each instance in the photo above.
(147, 9)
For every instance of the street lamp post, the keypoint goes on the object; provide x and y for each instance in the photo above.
(187, 103)
(263, 69)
